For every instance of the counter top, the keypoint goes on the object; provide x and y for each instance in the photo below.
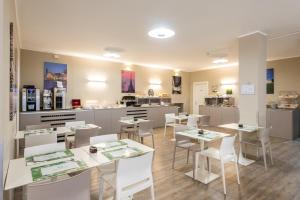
(81, 110)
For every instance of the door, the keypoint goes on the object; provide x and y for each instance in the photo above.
(200, 91)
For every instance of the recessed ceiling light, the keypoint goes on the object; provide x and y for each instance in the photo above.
(220, 61)
(111, 55)
(161, 33)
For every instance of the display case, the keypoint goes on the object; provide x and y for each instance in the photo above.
(288, 100)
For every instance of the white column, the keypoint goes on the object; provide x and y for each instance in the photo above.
(252, 72)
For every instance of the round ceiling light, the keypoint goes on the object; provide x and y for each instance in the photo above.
(161, 33)
(111, 55)
(220, 61)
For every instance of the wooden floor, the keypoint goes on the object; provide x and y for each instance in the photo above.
(281, 181)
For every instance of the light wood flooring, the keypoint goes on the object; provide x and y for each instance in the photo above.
(280, 181)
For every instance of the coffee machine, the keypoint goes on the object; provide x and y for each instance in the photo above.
(30, 98)
(59, 98)
(47, 100)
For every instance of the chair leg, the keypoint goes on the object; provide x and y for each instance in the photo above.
(174, 155)
(264, 155)
(165, 130)
(188, 156)
(223, 176)
(153, 141)
(152, 192)
(271, 156)
(237, 170)
(101, 187)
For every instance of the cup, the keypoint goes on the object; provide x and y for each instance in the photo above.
(93, 149)
(241, 125)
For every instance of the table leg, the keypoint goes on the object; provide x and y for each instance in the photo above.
(200, 173)
(242, 160)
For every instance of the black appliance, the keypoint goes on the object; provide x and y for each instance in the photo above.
(129, 101)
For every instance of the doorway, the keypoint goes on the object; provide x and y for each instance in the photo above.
(200, 91)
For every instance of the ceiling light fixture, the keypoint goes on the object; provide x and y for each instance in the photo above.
(220, 61)
(161, 33)
(111, 55)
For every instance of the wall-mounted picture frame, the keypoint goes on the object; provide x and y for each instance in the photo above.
(270, 81)
(127, 81)
(53, 73)
(176, 85)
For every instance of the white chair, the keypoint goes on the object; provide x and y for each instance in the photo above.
(192, 121)
(81, 137)
(129, 129)
(35, 127)
(74, 123)
(262, 142)
(35, 140)
(225, 154)
(132, 176)
(145, 129)
(43, 149)
(169, 121)
(182, 142)
(72, 188)
(103, 138)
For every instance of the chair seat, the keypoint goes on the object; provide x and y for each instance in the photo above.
(185, 144)
(215, 153)
(129, 129)
(171, 124)
(144, 134)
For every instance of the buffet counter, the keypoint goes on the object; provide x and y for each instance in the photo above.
(107, 118)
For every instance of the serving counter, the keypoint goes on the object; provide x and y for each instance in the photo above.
(107, 118)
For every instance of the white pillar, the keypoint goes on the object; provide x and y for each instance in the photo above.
(252, 73)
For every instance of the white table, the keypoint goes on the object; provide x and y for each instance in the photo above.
(246, 129)
(201, 174)
(19, 174)
(60, 131)
(133, 122)
(185, 117)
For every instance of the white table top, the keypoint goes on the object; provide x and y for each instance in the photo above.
(19, 174)
(194, 135)
(103, 160)
(235, 126)
(182, 117)
(132, 122)
(59, 131)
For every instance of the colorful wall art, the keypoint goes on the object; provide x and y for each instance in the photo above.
(270, 81)
(54, 73)
(128, 81)
(176, 85)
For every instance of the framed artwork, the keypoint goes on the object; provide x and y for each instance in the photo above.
(128, 81)
(13, 89)
(54, 74)
(176, 85)
(270, 81)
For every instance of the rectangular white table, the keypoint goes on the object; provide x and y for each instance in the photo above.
(19, 174)
(201, 174)
(180, 118)
(60, 131)
(133, 122)
(244, 130)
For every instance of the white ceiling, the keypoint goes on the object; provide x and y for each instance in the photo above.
(90, 26)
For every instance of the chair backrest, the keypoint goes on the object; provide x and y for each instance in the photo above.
(192, 122)
(75, 123)
(227, 146)
(82, 136)
(43, 149)
(204, 120)
(170, 117)
(74, 188)
(35, 127)
(180, 128)
(35, 140)
(264, 135)
(103, 138)
(135, 172)
(127, 118)
(145, 127)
